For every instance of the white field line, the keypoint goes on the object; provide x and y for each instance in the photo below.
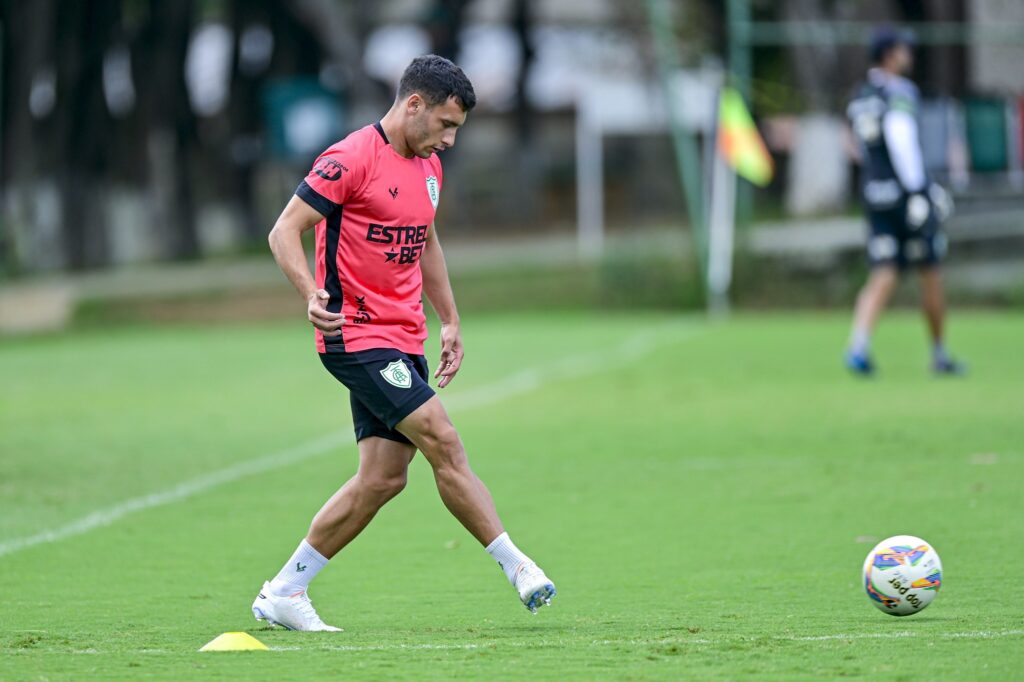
(105, 517)
(721, 639)
(563, 643)
(521, 382)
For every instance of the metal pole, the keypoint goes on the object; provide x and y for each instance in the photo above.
(720, 239)
(589, 185)
(740, 59)
(741, 69)
(686, 152)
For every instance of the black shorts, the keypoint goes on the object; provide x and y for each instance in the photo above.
(385, 386)
(893, 242)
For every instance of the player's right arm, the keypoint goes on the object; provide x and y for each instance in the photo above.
(335, 175)
(286, 244)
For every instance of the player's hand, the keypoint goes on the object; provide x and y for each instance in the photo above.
(918, 210)
(327, 322)
(451, 354)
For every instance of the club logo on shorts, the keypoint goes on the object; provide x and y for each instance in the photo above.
(397, 374)
(433, 190)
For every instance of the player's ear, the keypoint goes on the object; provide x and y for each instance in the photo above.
(414, 104)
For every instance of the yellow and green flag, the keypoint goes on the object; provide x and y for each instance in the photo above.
(739, 143)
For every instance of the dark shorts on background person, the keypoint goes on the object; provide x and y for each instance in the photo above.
(891, 241)
(385, 386)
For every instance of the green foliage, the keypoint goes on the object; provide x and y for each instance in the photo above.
(649, 280)
(625, 279)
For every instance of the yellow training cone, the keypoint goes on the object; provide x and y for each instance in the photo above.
(235, 641)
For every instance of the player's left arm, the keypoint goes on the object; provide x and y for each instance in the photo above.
(439, 292)
(902, 138)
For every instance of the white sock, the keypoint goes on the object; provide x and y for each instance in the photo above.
(860, 341)
(939, 353)
(305, 563)
(507, 555)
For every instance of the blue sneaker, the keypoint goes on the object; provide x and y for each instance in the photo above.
(859, 363)
(948, 367)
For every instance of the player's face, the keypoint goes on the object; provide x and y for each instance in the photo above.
(902, 59)
(433, 128)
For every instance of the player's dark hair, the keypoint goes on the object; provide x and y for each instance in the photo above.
(884, 39)
(436, 79)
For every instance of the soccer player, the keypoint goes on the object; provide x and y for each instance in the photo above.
(904, 208)
(371, 198)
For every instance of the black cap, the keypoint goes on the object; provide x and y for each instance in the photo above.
(884, 38)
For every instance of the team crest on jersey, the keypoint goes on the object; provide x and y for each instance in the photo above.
(397, 374)
(433, 190)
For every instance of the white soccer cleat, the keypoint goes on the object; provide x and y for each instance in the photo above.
(535, 590)
(294, 612)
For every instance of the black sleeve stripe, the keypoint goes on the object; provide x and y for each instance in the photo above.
(319, 202)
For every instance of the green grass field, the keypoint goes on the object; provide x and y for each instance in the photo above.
(703, 496)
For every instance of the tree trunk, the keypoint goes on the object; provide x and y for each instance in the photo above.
(814, 65)
(81, 122)
(165, 107)
(26, 29)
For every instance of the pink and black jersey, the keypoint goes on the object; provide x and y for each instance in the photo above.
(379, 206)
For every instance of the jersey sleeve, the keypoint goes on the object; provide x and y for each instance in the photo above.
(901, 138)
(332, 181)
(900, 130)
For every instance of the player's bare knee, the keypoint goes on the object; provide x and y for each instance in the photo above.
(445, 448)
(450, 447)
(382, 488)
(885, 277)
(435, 434)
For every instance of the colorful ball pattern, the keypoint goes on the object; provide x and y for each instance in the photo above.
(902, 575)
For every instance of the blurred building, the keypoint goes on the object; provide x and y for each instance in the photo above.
(137, 131)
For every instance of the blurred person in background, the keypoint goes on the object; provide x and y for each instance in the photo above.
(905, 209)
(372, 198)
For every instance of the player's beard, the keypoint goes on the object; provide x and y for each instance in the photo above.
(421, 135)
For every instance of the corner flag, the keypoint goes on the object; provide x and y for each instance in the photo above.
(739, 143)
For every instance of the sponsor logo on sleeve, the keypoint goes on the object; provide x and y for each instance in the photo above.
(329, 169)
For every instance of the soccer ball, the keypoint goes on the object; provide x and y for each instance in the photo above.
(902, 574)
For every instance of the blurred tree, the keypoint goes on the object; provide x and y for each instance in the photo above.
(306, 38)
(943, 68)
(444, 23)
(26, 53)
(169, 121)
(251, 21)
(529, 185)
(814, 65)
(80, 123)
(335, 32)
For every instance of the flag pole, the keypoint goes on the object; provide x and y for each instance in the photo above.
(739, 150)
(721, 233)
